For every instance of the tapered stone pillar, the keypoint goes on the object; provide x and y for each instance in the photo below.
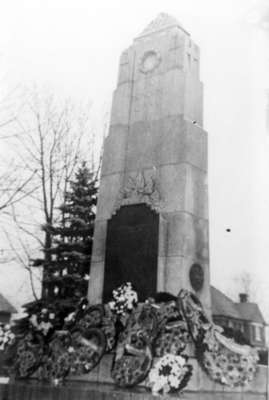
(155, 156)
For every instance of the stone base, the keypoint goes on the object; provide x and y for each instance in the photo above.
(98, 385)
(198, 384)
(32, 390)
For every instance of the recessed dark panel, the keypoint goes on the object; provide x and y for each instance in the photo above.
(132, 250)
(196, 277)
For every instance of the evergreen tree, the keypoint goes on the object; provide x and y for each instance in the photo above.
(66, 275)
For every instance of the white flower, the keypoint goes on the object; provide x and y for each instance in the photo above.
(70, 317)
(87, 366)
(165, 382)
(181, 360)
(44, 327)
(174, 381)
(124, 299)
(33, 320)
(71, 349)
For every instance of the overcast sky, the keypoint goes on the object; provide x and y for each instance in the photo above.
(72, 47)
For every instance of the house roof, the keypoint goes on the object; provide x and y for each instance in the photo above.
(5, 306)
(222, 305)
(250, 312)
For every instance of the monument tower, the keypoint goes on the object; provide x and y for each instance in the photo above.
(152, 214)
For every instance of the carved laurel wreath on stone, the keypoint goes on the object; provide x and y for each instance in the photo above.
(141, 188)
(150, 60)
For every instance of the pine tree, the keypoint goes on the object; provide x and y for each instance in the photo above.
(66, 275)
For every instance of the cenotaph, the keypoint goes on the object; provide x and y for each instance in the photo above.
(152, 230)
(152, 214)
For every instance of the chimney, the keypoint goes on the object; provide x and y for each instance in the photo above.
(243, 297)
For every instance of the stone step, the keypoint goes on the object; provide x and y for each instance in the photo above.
(33, 390)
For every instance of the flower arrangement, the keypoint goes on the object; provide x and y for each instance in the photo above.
(43, 321)
(6, 336)
(124, 299)
(225, 361)
(53, 344)
(229, 363)
(170, 373)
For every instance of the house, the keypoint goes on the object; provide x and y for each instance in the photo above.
(6, 309)
(244, 317)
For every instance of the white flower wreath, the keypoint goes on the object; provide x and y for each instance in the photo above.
(41, 326)
(6, 336)
(124, 299)
(168, 374)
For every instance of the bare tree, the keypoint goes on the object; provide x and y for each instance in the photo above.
(23, 256)
(14, 184)
(54, 137)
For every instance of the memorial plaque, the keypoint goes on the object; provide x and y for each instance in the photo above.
(132, 250)
(196, 277)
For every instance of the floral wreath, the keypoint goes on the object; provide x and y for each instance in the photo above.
(170, 373)
(124, 299)
(6, 336)
(30, 342)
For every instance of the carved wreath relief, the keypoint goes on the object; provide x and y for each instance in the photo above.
(141, 188)
(150, 60)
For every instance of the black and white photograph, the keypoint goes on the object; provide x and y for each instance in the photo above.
(134, 200)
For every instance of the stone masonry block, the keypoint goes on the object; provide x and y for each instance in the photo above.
(163, 235)
(183, 142)
(108, 194)
(196, 146)
(181, 234)
(121, 104)
(193, 108)
(161, 273)
(172, 185)
(96, 281)
(176, 277)
(114, 150)
(100, 229)
(196, 192)
(187, 235)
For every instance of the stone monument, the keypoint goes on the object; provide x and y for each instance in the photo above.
(152, 214)
(151, 229)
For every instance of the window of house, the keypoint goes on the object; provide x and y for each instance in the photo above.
(230, 324)
(257, 333)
